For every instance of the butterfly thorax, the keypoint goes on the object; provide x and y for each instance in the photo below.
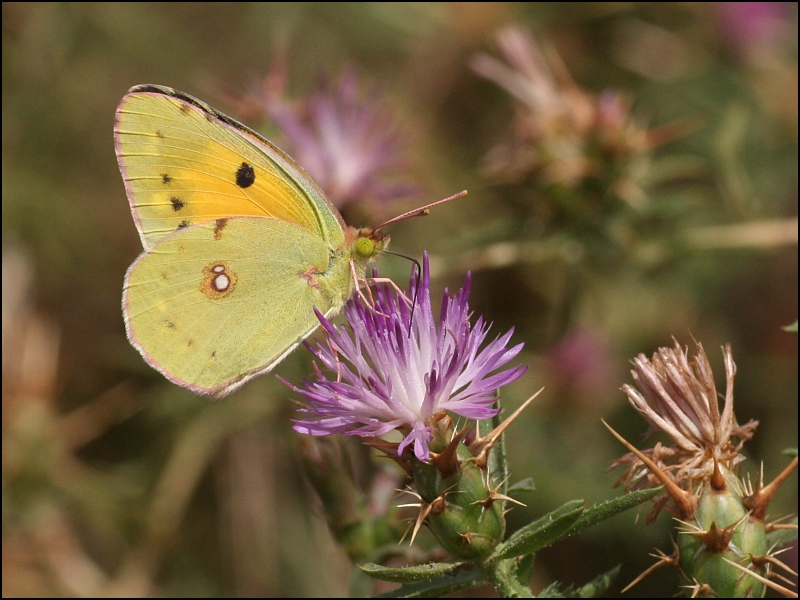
(348, 267)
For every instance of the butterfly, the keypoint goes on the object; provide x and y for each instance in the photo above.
(240, 244)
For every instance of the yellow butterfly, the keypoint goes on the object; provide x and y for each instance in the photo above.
(239, 243)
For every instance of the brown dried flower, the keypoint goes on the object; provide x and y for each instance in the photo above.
(678, 396)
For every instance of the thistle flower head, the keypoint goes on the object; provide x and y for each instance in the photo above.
(391, 370)
(678, 396)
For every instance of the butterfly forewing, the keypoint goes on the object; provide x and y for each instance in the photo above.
(184, 163)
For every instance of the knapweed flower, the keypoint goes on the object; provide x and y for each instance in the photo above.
(348, 141)
(394, 368)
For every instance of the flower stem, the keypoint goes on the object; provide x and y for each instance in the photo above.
(501, 574)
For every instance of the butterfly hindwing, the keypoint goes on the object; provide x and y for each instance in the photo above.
(214, 304)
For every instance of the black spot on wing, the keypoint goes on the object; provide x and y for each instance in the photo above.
(245, 176)
(177, 203)
(183, 224)
(166, 179)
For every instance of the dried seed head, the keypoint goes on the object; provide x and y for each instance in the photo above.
(677, 395)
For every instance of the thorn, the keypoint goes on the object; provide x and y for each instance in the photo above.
(445, 420)
(685, 501)
(390, 451)
(747, 484)
(776, 524)
(773, 575)
(438, 505)
(700, 588)
(469, 536)
(781, 551)
(715, 538)
(717, 481)
(424, 511)
(770, 584)
(495, 495)
(759, 501)
(481, 446)
(692, 525)
(434, 508)
(447, 460)
(760, 561)
(671, 560)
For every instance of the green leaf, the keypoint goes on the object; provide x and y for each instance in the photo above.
(565, 508)
(790, 452)
(524, 485)
(361, 584)
(411, 574)
(554, 591)
(791, 328)
(599, 584)
(438, 586)
(606, 510)
(540, 533)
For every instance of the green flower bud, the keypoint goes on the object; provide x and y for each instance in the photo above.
(464, 514)
(723, 531)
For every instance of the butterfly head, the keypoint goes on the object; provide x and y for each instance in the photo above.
(367, 244)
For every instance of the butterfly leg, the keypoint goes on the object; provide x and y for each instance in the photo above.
(368, 301)
(376, 280)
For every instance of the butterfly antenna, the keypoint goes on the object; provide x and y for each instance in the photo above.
(422, 211)
(416, 286)
(416, 293)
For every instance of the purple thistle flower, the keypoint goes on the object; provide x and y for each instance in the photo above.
(394, 372)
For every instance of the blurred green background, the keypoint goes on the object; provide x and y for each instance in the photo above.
(116, 482)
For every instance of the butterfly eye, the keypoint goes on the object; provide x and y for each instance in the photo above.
(365, 247)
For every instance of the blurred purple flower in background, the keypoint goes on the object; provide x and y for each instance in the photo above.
(580, 364)
(748, 25)
(348, 140)
(394, 372)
